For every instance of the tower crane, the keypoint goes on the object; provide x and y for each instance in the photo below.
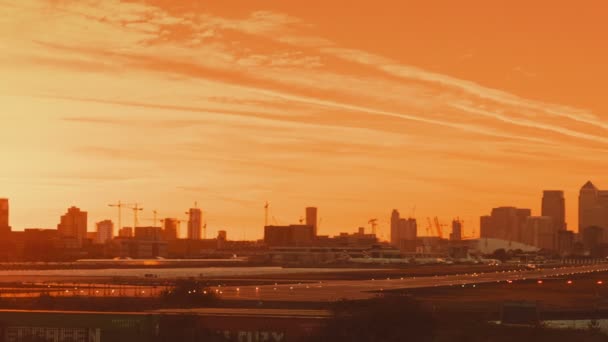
(120, 205)
(429, 226)
(136, 209)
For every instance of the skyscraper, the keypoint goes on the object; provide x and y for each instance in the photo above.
(587, 200)
(311, 218)
(74, 224)
(395, 227)
(554, 206)
(456, 234)
(592, 208)
(195, 224)
(4, 216)
(505, 223)
(541, 232)
(170, 229)
(105, 231)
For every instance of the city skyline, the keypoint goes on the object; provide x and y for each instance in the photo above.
(169, 102)
(552, 203)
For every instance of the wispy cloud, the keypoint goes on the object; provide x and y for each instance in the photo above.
(260, 100)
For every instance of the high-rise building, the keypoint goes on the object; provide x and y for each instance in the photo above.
(395, 227)
(505, 223)
(195, 224)
(404, 232)
(105, 231)
(4, 216)
(170, 229)
(311, 218)
(74, 224)
(541, 231)
(589, 210)
(554, 206)
(456, 234)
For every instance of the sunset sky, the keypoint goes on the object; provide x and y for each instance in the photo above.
(356, 107)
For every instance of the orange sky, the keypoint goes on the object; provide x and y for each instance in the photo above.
(356, 107)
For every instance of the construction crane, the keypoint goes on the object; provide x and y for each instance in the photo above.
(266, 207)
(374, 223)
(120, 205)
(429, 226)
(155, 219)
(439, 227)
(136, 209)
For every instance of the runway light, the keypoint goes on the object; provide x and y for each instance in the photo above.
(539, 282)
(509, 281)
(569, 282)
(599, 282)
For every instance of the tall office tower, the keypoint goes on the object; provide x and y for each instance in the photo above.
(554, 206)
(587, 203)
(456, 234)
(311, 218)
(105, 231)
(73, 224)
(395, 227)
(541, 232)
(170, 229)
(407, 233)
(485, 227)
(505, 223)
(4, 220)
(195, 224)
(522, 216)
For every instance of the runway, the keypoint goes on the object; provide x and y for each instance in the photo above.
(361, 289)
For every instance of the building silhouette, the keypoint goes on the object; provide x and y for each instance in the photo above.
(195, 224)
(311, 218)
(541, 231)
(125, 232)
(73, 224)
(456, 234)
(592, 208)
(292, 235)
(105, 231)
(4, 216)
(170, 229)
(149, 233)
(554, 206)
(395, 217)
(505, 223)
(404, 232)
